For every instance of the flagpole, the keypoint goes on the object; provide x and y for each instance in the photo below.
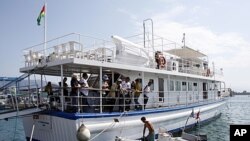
(45, 28)
(183, 40)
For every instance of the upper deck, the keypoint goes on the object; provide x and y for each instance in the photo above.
(79, 53)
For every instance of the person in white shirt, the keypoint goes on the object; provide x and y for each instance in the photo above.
(84, 91)
(128, 94)
(146, 90)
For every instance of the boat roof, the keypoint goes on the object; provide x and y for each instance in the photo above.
(186, 52)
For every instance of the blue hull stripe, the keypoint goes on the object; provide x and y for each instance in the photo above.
(74, 116)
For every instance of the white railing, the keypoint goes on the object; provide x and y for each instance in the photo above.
(75, 103)
(121, 102)
(83, 47)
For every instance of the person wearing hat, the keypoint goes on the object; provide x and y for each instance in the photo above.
(114, 90)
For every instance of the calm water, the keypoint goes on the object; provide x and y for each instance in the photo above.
(237, 111)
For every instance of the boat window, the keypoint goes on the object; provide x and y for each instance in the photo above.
(184, 86)
(152, 84)
(178, 85)
(215, 87)
(195, 86)
(204, 88)
(190, 86)
(211, 86)
(171, 85)
(161, 89)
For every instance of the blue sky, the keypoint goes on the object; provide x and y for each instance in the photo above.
(219, 28)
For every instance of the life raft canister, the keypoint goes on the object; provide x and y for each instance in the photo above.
(208, 72)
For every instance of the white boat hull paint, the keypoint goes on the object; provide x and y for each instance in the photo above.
(55, 128)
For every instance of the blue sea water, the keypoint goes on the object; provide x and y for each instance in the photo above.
(12, 130)
(236, 111)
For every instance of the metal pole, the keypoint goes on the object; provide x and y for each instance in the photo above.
(100, 87)
(42, 87)
(32, 131)
(143, 82)
(187, 91)
(62, 98)
(183, 40)
(17, 86)
(113, 77)
(29, 89)
(144, 30)
(45, 27)
(168, 81)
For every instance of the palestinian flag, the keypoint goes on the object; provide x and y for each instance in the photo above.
(41, 15)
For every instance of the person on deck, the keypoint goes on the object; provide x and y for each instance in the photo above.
(146, 90)
(105, 85)
(127, 94)
(84, 91)
(74, 91)
(65, 86)
(105, 91)
(151, 132)
(48, 89)
(114, 92)
(137, 93)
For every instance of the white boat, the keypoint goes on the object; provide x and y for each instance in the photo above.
(226, 92)
(3, 101)
(183, 83)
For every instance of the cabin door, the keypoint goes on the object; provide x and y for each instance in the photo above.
(161, 89)
(204, 88)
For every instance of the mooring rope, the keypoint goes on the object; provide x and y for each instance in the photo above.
(108, 127)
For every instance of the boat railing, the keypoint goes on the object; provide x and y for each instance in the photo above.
(23, 100)
(84, 47)
(71, 45)
(121, 102)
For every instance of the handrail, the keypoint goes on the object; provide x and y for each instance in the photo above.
(172, 99)
(163, 43)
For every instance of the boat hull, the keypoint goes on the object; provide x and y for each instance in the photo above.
(58, 126)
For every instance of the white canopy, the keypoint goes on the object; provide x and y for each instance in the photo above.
(186, 52)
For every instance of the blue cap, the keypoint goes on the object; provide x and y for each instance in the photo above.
(105, 78)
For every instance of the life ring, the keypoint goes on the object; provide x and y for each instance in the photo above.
(161, 62)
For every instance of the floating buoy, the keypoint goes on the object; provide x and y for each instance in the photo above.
(83, 133)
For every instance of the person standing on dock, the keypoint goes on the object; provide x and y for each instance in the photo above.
(151, 132)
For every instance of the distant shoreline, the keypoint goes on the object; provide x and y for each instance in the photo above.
(241, 93)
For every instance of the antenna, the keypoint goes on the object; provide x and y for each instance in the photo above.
(144, 31)
(183, 40)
